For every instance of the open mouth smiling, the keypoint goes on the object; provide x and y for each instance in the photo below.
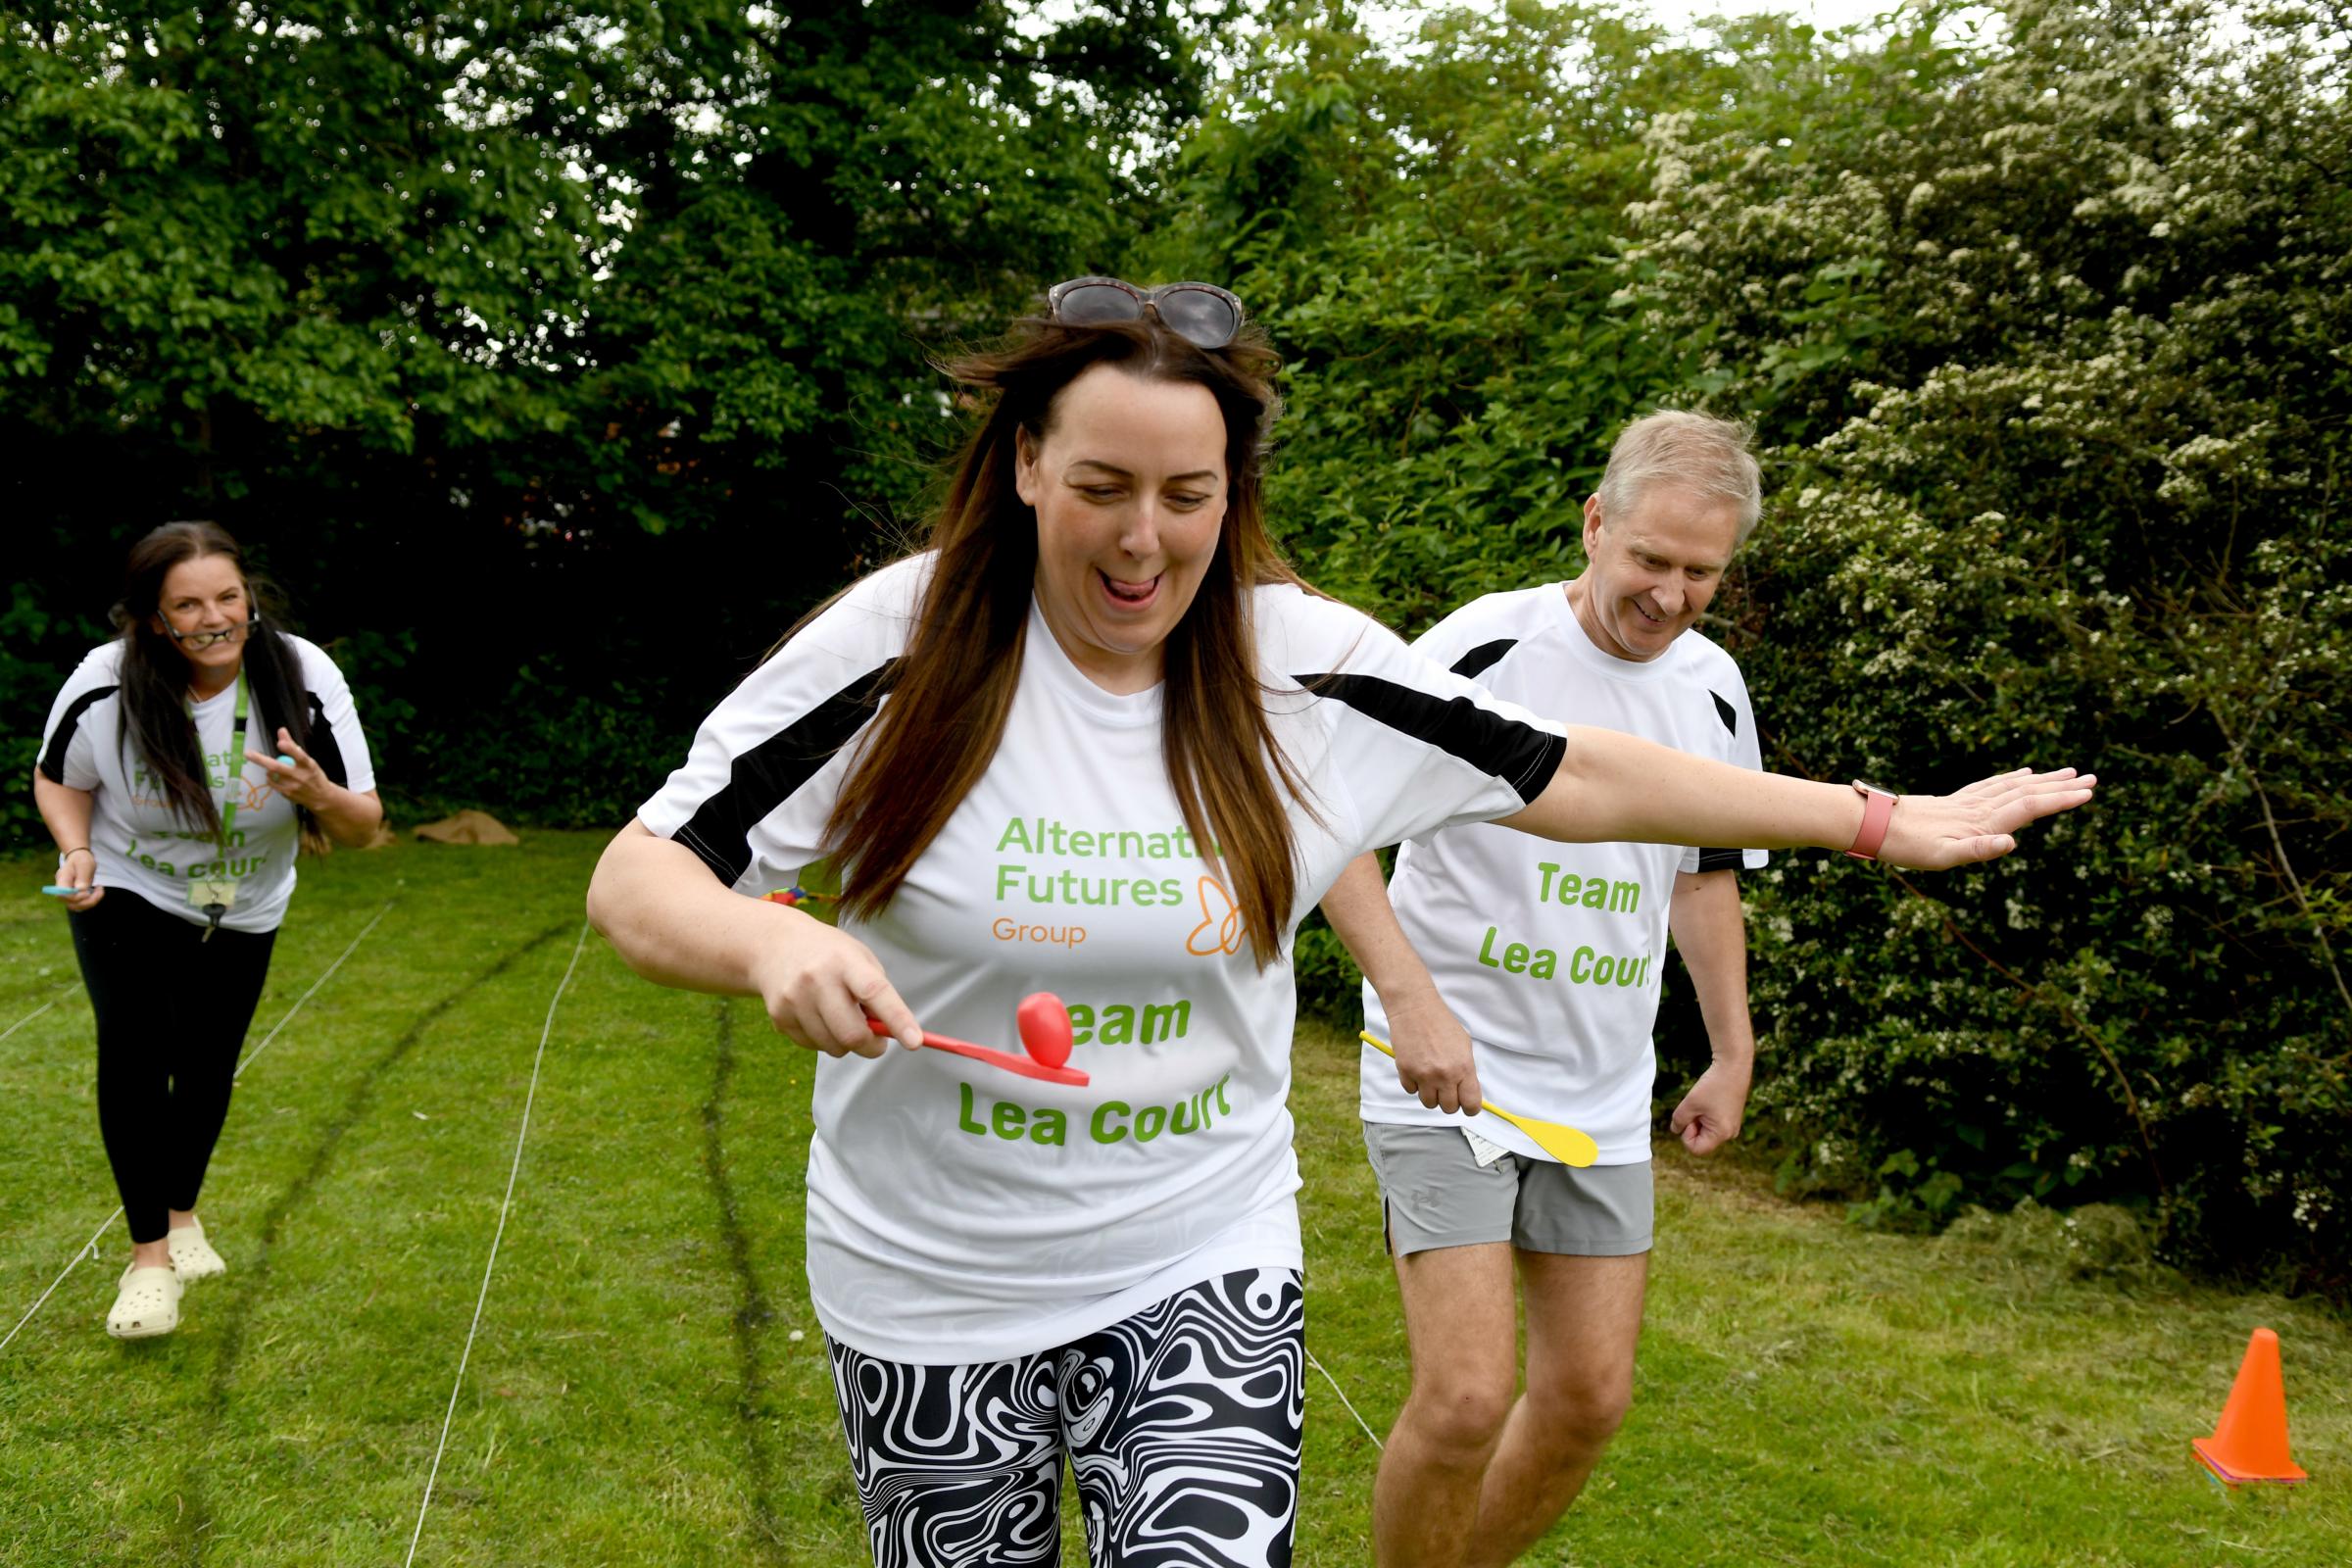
(1130, 595)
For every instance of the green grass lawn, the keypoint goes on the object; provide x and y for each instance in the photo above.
(649, 1386)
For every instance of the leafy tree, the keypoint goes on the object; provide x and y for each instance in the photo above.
(257, 263)
(1429, 238)
(506, 332)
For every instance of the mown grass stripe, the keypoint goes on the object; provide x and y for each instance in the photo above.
(491, 1263)
(356, 1105)
(751, 1311)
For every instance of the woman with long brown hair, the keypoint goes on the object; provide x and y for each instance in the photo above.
(1098, 739)
(183, 765)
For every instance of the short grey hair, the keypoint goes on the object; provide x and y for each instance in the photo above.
(1696, 452)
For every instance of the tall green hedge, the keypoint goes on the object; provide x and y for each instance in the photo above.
(2051, 343)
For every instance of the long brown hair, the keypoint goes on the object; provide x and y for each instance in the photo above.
(155, 675)
(939, 729)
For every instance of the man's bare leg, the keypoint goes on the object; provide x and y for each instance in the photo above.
(1461, 1323)
(1584, 1323)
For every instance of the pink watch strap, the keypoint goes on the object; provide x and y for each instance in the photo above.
(1877, 809)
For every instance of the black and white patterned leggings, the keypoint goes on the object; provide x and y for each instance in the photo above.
(1181, 1423)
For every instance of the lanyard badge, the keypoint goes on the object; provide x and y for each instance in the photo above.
(215, 893)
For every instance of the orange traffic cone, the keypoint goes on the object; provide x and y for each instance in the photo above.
(2250, 1442)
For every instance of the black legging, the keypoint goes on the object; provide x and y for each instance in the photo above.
(173, 1010)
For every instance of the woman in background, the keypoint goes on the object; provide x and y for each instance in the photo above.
(183, 766)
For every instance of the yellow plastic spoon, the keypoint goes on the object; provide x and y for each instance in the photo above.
(1566, 1144)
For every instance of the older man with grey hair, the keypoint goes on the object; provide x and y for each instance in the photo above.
(1497, 962)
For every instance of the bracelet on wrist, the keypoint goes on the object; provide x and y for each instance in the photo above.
(79, 848)
(1878, 810)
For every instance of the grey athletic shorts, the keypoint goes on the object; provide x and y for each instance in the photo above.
(1434, 1193)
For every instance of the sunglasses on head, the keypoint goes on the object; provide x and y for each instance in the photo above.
(1201, 314)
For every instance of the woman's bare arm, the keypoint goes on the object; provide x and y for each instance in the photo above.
(1611, 788)
(677, 925)
(67, 812)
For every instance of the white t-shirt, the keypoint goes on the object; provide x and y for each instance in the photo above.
(1550, 953)
(142, 847)
(961, 1214)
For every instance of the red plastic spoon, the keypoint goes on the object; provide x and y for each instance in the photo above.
(1044, 1028)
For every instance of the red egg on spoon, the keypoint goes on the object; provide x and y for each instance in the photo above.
(1045, 1029)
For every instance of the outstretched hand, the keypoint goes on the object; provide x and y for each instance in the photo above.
(1935, 832)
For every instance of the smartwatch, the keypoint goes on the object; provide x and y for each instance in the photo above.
(1877, 809)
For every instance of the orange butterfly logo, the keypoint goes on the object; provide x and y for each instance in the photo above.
(1221, 928)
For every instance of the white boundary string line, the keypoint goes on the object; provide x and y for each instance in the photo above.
(1343, 1400)
(38, 1011)
(89, 1248)
(507, 1202)
(307, 995)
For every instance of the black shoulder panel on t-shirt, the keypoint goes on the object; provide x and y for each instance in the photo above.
(1727, 713)
(53, 760)
(1722, 859)
(324, 749)
(1483, 657)
(1520, 755)
(766, 776)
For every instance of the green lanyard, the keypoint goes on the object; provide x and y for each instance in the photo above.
(215, 893)
(237, 769)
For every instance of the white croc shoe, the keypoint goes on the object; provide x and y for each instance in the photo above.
(148, 1306)
(192, 1257)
